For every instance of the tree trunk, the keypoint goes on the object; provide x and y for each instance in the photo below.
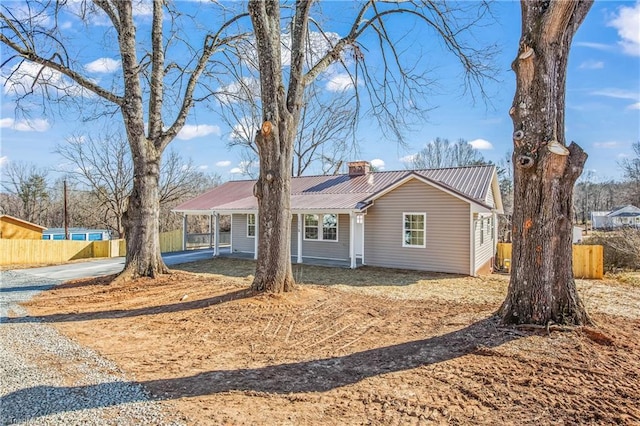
(142, 218)
(273, 191)
(542, 288)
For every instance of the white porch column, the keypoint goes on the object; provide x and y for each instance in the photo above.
(211, 231)
(352, 239)
(184, 232)
(216, 234)
(300, 228)
(255, 241)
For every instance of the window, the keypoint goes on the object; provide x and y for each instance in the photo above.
(414, 229)
(323, 227)
(482, 231)
(251, 225)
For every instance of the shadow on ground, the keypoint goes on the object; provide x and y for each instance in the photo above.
(308, 376)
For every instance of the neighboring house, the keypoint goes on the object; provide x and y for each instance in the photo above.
(18, 229)
(441, 220)
(77, 234)
(616, 218)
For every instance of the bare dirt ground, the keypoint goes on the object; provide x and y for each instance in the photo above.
(368, 346)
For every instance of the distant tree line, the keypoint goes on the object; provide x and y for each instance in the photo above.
(99, 175)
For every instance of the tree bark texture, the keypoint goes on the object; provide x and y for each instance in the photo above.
(142, 216)
(542, 288)
(280, 115)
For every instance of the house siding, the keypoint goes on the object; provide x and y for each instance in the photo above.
(447, 230)
(490, 199)
(15, 230)
(483, 251)
(241, 243)
(294, 235)
(327, 249)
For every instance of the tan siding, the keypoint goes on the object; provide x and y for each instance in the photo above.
(16, 230)
(447, 235)
(484, 251)
(490, 199)
(241, 242)
(330, 249)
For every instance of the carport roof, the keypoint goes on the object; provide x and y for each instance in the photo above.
(344, 192)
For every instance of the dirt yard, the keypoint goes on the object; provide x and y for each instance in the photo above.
(368, 346)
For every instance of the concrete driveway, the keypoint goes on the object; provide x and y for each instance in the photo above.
(96, 268)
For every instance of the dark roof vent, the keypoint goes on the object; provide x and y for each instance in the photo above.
(359, 168)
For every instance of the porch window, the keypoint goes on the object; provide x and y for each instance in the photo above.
(414, 229)
(321, 227)
(251, 225)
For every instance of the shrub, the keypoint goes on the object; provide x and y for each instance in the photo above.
(621, 248)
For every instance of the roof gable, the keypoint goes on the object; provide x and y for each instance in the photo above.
(20, 222)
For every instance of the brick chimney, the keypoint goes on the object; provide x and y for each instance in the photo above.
(359, 168)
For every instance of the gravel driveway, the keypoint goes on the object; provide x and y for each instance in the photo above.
(47, 379)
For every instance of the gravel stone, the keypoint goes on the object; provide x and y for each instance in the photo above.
(47, 379)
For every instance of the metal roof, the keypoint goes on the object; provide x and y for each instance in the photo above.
(343, 192)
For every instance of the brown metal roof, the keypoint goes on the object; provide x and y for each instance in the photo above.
(339, 192)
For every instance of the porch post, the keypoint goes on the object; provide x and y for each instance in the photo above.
(352, 239)
(299, 260)
(216, 236)
(255, 240)
(184, 232)
(211, 231)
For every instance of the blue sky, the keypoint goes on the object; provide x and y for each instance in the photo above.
(603, 103)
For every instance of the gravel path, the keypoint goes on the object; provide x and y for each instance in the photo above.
(47, 379)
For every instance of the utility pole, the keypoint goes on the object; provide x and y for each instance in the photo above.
(65, 213)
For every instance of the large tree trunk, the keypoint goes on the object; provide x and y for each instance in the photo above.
(280, 114)
(542, 288)
(273, 191)
(142, 220)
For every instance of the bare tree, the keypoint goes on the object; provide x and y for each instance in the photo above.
(30, 185)
(141, 95)
(393, 94)
(442, 153)
(542, 288)
(326, 132)
(631, 170)
(102, 168)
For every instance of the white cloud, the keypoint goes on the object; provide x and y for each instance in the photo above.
(591, 65)
(36, 125)
(3, 160)
(244, 131)
(339, 82)
(626, 22)
(617, 93)
(607, 144)
(248, 88)
(481, 144)
(21, 80)
(634, 106)
(203, 167)
(596, 46)
(103, 65)
(191, 131)
(378, 163)
(224, 163)
(236, 171)
(408, 158)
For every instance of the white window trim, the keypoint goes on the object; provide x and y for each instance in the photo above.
(424, 229)
(254, 225)
(320, 227)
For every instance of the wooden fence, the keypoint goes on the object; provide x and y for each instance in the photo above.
(46, 252)
(588, 261)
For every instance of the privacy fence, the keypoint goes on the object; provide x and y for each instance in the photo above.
(44, 252)
(588, 261)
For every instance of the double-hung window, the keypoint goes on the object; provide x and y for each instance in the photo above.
(251, 225)
(321, 227)
(414, 229)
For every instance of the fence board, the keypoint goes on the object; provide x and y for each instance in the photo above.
(588, 260)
